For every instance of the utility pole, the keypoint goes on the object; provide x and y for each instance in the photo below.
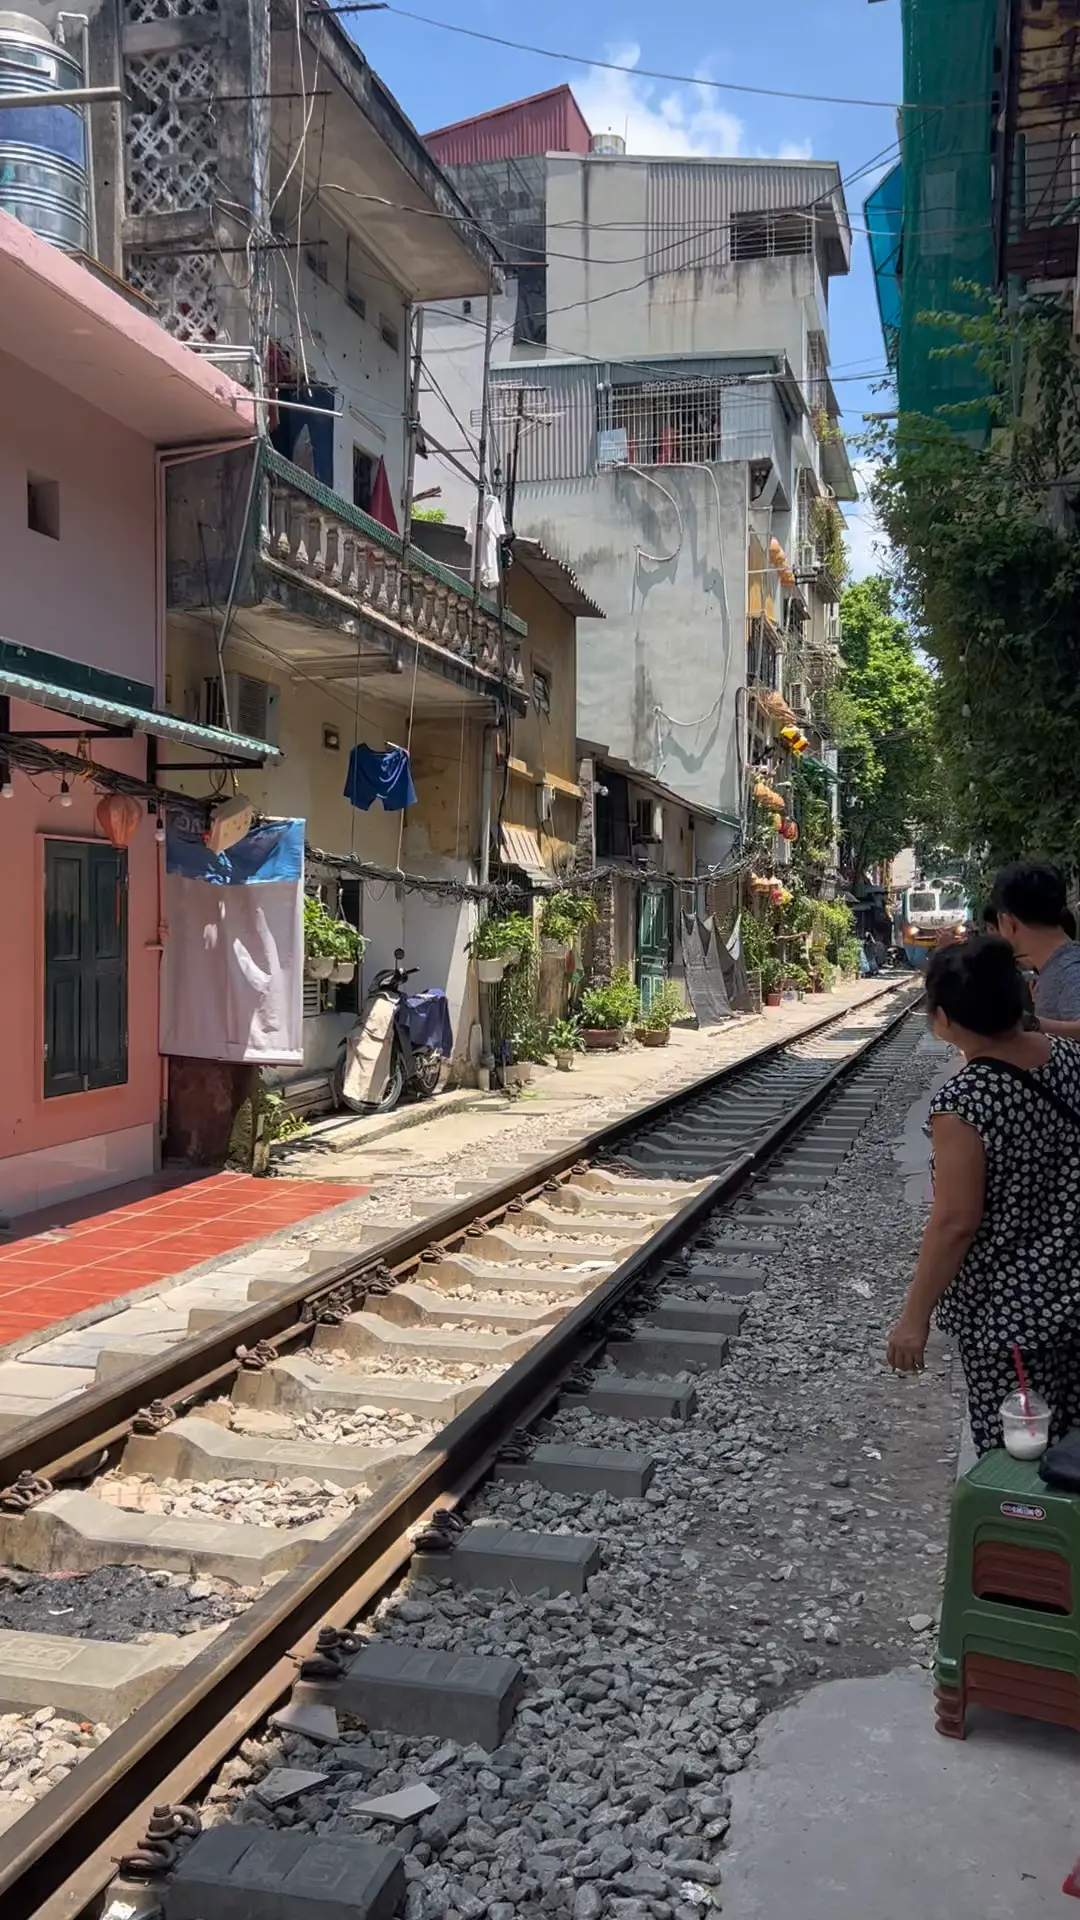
(482, 454)
(412, 430)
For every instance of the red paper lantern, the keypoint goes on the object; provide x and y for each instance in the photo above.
(118, 815)
(789, 830)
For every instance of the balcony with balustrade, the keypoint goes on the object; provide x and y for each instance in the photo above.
(260, 549)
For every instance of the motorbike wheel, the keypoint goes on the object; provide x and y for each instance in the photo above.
(426, 1074)
(395, 1086)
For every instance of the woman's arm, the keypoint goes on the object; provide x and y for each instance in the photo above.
(959, 1191)
(1064, 1029)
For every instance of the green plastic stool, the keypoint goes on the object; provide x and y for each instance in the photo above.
(1010, 1616)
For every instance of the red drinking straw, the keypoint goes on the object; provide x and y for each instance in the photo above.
(1025, 1398)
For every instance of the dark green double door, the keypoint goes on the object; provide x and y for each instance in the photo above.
(654, 933)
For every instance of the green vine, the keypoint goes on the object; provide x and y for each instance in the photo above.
(988, 567)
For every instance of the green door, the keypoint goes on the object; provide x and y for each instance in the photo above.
(85, 967)
(653, 941)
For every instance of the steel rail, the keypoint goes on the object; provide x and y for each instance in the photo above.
(53, 1862)
(56, 1441)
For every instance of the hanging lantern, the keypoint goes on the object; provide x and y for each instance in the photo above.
(118, 815)
(789, 830)
(777, 896)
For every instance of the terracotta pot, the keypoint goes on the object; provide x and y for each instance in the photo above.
(772, 999)
(654, 1036)
(601, 1039)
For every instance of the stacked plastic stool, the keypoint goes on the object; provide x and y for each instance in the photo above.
(1010, 1617)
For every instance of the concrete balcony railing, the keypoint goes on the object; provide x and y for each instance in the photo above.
(316, 535)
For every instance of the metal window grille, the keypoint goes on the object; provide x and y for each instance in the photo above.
(668, 423)
(763, 236)
(762, 654)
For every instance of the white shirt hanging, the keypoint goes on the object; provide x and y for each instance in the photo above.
(492, 531)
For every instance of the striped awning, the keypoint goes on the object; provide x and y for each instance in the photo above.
(520, 847)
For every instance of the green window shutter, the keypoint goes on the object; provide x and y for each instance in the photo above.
(85, 967)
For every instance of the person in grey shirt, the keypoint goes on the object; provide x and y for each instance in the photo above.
(1029, 902)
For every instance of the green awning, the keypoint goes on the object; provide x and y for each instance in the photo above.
(84, 705)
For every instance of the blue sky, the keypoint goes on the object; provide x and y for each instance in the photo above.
(836, 47)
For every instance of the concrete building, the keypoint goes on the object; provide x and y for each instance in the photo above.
(267, 196)
(661, 401)
(98, 402)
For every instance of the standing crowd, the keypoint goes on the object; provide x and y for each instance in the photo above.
(999, 1266)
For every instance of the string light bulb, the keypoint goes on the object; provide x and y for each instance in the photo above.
(65, 793)
(7, 791)
(159, 832)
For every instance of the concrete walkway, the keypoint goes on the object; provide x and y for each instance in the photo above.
(856, 1809)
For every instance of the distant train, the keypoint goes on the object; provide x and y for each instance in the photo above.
(926, 911)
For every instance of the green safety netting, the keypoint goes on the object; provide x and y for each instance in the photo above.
(948, 235)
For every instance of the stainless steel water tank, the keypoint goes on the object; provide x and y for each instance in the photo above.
(42, 149)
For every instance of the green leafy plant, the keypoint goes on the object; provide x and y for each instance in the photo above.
(772, 973)
(437, 515)
(327, 938)
(501, 934)
(847, 956)
(756, 942)
(530, 1038)
(667, 1007)
(612, 1005)
(797, 977)
(565, 1036)
(565, 914)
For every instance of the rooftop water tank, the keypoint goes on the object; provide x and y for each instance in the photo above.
(603, 142)
(42, 149)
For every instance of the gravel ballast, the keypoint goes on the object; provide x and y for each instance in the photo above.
(795, 1531)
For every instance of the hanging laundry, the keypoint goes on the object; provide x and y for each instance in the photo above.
(381, 507)
(232, 979)
(383, 776)
(491, 532)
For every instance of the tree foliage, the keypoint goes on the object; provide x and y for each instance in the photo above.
(988, 566)
(882, 714)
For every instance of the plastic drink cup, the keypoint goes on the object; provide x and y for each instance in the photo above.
(1025, 1421)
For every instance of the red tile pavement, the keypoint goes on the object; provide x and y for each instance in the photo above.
(85, 1252)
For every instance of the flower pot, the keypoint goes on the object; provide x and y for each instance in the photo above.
(654, 1036)
(342, 972)
(772, 999)
(519, 1074)
(564, 1060)
(320, 966)
(601, 1039)
(490, 971)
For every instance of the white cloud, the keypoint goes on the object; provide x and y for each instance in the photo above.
(796, 150)
(654, 119)
(867, 545)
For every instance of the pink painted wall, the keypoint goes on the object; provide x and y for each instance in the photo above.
(90, 595)
(29, 1122)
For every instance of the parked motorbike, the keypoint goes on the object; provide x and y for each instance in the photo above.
(410, 1069)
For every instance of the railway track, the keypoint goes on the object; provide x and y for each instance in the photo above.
(391, 1387)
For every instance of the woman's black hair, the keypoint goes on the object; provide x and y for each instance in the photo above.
(1068, 923)
(977, 985)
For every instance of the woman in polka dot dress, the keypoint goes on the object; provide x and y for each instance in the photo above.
(1000, 1258)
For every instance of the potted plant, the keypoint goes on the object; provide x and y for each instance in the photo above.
(654, 1028)
(499, 942)
(320, 939)
(798, 978)
(566, 1043)
(607, 1010)
(772, 974)
(563, 917)
(348, 948)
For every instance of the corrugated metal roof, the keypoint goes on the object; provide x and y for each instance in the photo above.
(550, 122)
(557, 579)
(690, 205)
(649, 784)
(558, 441)
(115, 713)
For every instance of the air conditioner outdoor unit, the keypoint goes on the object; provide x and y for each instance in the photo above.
(545, 805)
(252, 706)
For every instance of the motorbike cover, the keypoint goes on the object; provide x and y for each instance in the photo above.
(368, 1053)
(425, 1017)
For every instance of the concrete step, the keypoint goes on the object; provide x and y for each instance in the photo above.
(411, 1305)
(696, 1316)
(612, 1470)
(99, 1680)
(624, 1398)
(451, 1696)
(198, 1449)
(511, 1559)
(72, 1532)
(362, 1333)
(297, 1385)
(668, 1349)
